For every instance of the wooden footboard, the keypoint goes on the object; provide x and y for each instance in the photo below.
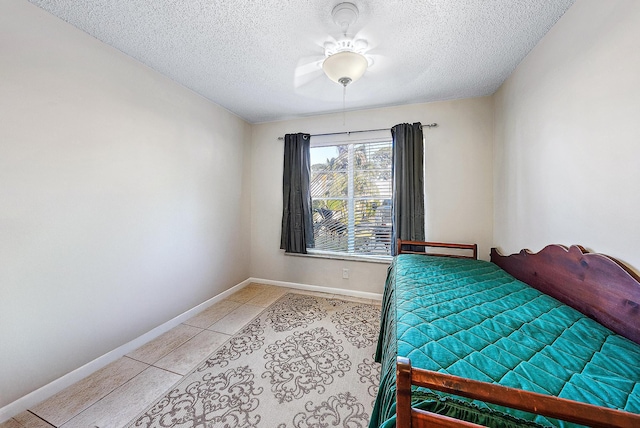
(540, 404)
(469, 251)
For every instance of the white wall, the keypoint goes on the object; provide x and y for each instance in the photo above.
(458, 187)
(122, 194)
(567, 144)
(122, 198)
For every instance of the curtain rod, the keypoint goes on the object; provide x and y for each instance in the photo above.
(430, 125)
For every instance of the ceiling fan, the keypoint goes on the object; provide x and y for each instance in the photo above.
(344, 60)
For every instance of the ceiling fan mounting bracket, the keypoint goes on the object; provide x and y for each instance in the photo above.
(345, 15)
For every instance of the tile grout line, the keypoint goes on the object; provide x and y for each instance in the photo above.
(95, 402)
(42, 419)
(111, 392)
(227, 336)
(135, 359)
(197, 364)
(169, 371)
(164, 355)
(327, 296)
(184, 376)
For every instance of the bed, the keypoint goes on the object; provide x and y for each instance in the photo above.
(560, 328)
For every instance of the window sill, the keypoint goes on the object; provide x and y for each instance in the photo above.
(349, 257)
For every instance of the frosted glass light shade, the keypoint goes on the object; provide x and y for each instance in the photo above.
(345, 65)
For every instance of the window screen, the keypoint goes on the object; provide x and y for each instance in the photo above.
(351, 198)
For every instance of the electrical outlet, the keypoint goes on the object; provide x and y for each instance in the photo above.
(345, 273)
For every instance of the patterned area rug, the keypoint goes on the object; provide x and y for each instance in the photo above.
(304, 362)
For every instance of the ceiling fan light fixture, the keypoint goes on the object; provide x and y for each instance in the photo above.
(345, 67)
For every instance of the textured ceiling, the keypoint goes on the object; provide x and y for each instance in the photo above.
(261, 59)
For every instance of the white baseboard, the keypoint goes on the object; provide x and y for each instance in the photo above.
(330, 290)
(52, 388)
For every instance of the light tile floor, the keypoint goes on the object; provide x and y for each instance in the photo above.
(117, 393)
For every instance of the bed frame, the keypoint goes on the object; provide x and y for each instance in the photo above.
(464, 251)
(594, 284)
(540, 404)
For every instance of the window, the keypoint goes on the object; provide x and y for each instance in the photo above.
(351, 198)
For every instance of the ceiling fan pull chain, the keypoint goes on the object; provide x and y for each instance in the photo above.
(344, 96)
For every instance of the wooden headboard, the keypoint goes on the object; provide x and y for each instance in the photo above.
(595, 284)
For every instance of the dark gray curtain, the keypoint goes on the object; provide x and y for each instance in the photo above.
(297, 221)
(408, 184)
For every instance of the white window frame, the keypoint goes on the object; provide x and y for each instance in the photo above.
(351, 139)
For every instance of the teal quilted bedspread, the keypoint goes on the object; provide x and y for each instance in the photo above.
(470, 318)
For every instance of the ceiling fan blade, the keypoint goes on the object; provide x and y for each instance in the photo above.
(308, 69)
